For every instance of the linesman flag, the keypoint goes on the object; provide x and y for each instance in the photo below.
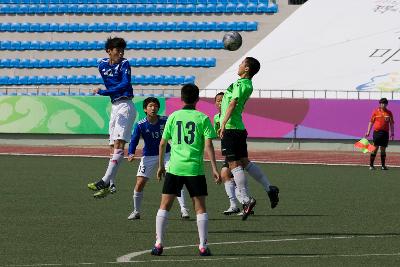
(364, 145)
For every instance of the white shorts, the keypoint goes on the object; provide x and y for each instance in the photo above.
(123, 115)
(149, 165)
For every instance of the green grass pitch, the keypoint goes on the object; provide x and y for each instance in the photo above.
(328, 216)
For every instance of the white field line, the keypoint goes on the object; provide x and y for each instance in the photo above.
(128, 258)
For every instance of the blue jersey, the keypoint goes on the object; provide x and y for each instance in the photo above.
(117, 79)
(151, 134)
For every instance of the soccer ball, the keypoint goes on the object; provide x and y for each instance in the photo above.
(232, 41)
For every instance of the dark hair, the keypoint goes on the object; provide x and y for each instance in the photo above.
(383, 101)
(149, 100)
(115, 42)
(220, 93)
(253, 64)
(190, 93)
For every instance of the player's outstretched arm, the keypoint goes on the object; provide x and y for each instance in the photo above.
(161, 155)
(227, 116)
(211, 154)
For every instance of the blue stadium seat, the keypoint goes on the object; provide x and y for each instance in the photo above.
(189, 79)
(161, 44)
(231, 26)
(44, 27)
(14, 27)
(160, 62)
(170, 61)
(180, 61)
(34, 63)
(5, 27)
(190, 62)
(251, 25)
(54, 27)
(62, 79)
(83, 27)
(160, 8)
(220, 8)
(170, 8)
(15, 45)
(5, 45)
(51, 79)
(5, 63)
(63, 27)
(138, 79)
(14, 63)
(4, 80)
(230, 8)
(24, 27)
(158, 79)
(211, 62)
(179, 79)
(251, 8)
(200, 44)
(169, 79)
(82, 62)
(170, 26)
(190, 44)
(201, 62)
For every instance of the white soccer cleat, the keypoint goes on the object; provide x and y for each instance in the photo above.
(135, 215)
(185, 214)
(231, 210)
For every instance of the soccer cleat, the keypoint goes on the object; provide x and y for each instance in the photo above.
(185, 214)
(371, 168)
(157, 250)
(241, 213)
(97, 186)
(247, 208)
(102, 193)
(135, 215)
(231, 210)
(273, 195)
(113, 189)
(204, 252)
(384, 168)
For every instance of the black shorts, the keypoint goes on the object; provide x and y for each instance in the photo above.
(234, 144)
(381, 138)
(196, 185)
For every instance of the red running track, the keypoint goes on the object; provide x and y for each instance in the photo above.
(289, 156)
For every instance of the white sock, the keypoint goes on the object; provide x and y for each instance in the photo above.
(113, 165)
(241, 183)
(230, 191)
(181, 200)
(137, 200)
(202, 227)
(161, 224)
(258, 175)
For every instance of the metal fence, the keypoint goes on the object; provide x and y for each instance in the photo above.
(172, 91)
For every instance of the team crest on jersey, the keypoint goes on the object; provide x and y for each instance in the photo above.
(108, 72)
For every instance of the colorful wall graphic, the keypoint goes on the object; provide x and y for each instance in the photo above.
(264, 118)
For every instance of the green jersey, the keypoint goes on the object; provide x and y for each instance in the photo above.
(187, 129)
(217, 122)
(241, 91)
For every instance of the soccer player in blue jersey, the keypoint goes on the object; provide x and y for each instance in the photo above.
(151, 129)
(116, 73)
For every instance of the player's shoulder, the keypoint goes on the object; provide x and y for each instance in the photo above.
(142, 121)
(162, 118)
(103, 61)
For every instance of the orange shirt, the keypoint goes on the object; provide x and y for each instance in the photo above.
(381, 118)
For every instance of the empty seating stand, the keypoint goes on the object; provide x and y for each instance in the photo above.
(93, 79)
(93, 62)
(130, 26)
(100, 9)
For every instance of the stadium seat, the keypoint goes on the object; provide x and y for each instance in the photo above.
(158, 79)
(251, 8)
(170, 61)
(211, 62)
(14, 63)
(251, 26)
(189, 79)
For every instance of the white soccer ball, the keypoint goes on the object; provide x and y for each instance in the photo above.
(232, 41)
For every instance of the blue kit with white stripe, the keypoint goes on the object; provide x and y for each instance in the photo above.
(151, 134)
(117, 79)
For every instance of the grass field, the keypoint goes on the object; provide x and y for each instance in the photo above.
(328, 216)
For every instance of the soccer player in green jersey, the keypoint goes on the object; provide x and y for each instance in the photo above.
(226, 175)
(233, 137)
(189, 131)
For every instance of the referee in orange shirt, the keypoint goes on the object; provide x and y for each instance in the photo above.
(382, 120)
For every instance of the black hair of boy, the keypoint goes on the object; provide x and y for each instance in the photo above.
(253, 64)
(149, 100)
(115, 42)
(190, 93)
(220, 93)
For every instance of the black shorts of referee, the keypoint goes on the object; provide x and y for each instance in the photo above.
(381, 138)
